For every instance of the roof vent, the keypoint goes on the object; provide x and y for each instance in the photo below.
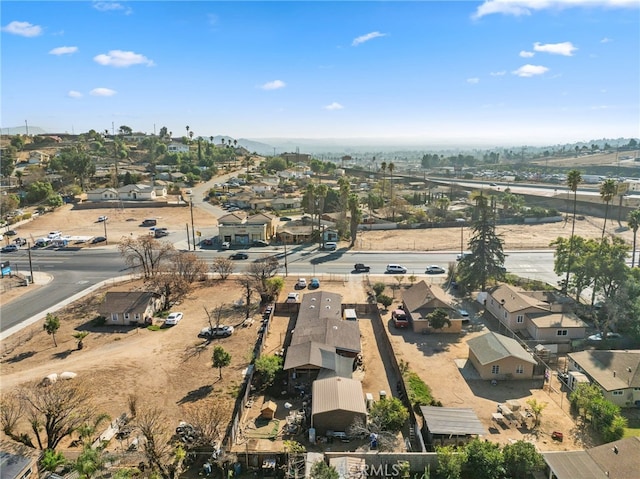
(313, 299)
(328, 307)
(329, 300)
(312, 306)
(614, 374)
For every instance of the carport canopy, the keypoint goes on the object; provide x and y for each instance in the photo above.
(449, 421)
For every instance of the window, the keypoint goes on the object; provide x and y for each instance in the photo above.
(495, 369)
(561, 332)
(114, 316)
(26, 474)
(520, 318)
(505, 315)
(491, 301)
(619, 392)
(126, 316)
(136, 316)
(519, 369)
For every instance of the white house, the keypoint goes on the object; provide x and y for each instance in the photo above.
(177, 148)
(102, 194)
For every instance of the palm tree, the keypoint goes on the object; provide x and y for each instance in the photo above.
(321, 195)
(391, 167)
(608, 190)
(187, 130)
(574, 178)
(634, 223)
(383, 167)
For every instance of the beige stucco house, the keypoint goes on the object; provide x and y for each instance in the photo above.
(498, 357)
(126, 308)
(238, 229)
(422, 299)
(617, 373)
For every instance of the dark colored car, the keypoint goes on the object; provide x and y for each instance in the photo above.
(434, 269)
(239, 256)
(20, 241)
(361, 268)
(285, 218)
(11, 233)
(260, 243)
(98, 239)
(9, 248)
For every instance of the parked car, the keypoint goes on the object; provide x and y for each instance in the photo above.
(293, 298)
(51, 235)
(598, 336)
(239, 255)
(464, 313)
(173, 319)
(400, 319)
(330, 246)
(98, 239)
(434, 269)
(9, 248)
(161, 232)
(260, 243)
(20, 241)
(225, 245)
(314, 283)
(301, 284)
(285, 218)
(361, 268)
(11, 233)
(207, 242)
(149, 222)
(462, 256)
(396, 268)
(216, 332)
(102, 218)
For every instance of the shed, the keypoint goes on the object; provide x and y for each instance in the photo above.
(495, 356)
(446, 423)
(268, 410)
(336, 403)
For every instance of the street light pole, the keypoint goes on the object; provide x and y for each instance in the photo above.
(461, 239)
(286, 268)
(106, 241)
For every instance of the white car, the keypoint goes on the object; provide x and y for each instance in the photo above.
(396, 268)
(598, 336)
(302, 283)
(102, 218)
(464, 313)
(293, 298)
(54, 235)
(173, 319)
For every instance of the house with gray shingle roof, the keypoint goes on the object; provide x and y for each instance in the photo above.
(498, 357)
(422, 299)
(126, 308)
(617, 373)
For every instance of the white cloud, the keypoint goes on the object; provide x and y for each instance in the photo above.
(274, 85)
(498, 74)
(333, 106)
(526, 7)
(606, 40)
(102, 92)
(565, 48)
(526, 54)
(24, 29)
(74, 94)
(530, 70)
(111, 7)
(63, 50)
(473, 81)
(365, 38)
(120, 59)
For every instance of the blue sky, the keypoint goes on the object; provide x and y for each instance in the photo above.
(495, 71)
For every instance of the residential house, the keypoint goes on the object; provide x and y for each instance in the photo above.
(137, 192)
(541, 315)
(615, 372)
(102, 194)
(238, 229)
(126, 308)
(18, 461)
(614, 460)
(295, 234)
(330, 235)
(38, 158)
(422, 299)
(261, 188)
(498, 357)
(336, 403)
(177, 148)
(286, 202)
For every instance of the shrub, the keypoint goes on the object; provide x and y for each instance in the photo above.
(99, 321)
(418, 391)
(379, 288)
(384, 300)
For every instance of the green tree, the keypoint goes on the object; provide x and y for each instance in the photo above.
(275, 164)
(383, 167)
(7, 165)
(487, 255)
(389, 414)
(484, 459)
(51, 326)
(582, 396)
(378, 288)
(438, 319)
(77, 163)
(8, 203)
(634, 223)
(574, 178)
(79, 336)
(536, 409)
(384, 300)
(521, 459)
(51, 460)
(267, 367)
(39, 191)
(608, 190)
(221, 359)
(55, 201)
(321, 470)
(450, 462)
(89, 462)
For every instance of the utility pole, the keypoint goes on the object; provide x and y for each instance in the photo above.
(188, 244)
(193, 231)
(286, 269)
(106, 241)
(30, 263)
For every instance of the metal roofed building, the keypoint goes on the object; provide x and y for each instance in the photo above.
(336, 403)
(445, 424)
(497, 357)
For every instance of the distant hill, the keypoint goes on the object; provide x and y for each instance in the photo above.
(22, 130)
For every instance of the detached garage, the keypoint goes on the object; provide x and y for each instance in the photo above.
(336, 403)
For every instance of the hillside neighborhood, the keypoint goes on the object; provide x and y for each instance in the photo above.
(239, 339)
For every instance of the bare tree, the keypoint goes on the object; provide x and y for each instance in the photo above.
(56, 410)
(260, 271)
(222, 266)
(208, 418)
(145, 253)
(170, 285)
(157, 448)
(247, 283)
(386, 440)
(189, 266)
(11, 411)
